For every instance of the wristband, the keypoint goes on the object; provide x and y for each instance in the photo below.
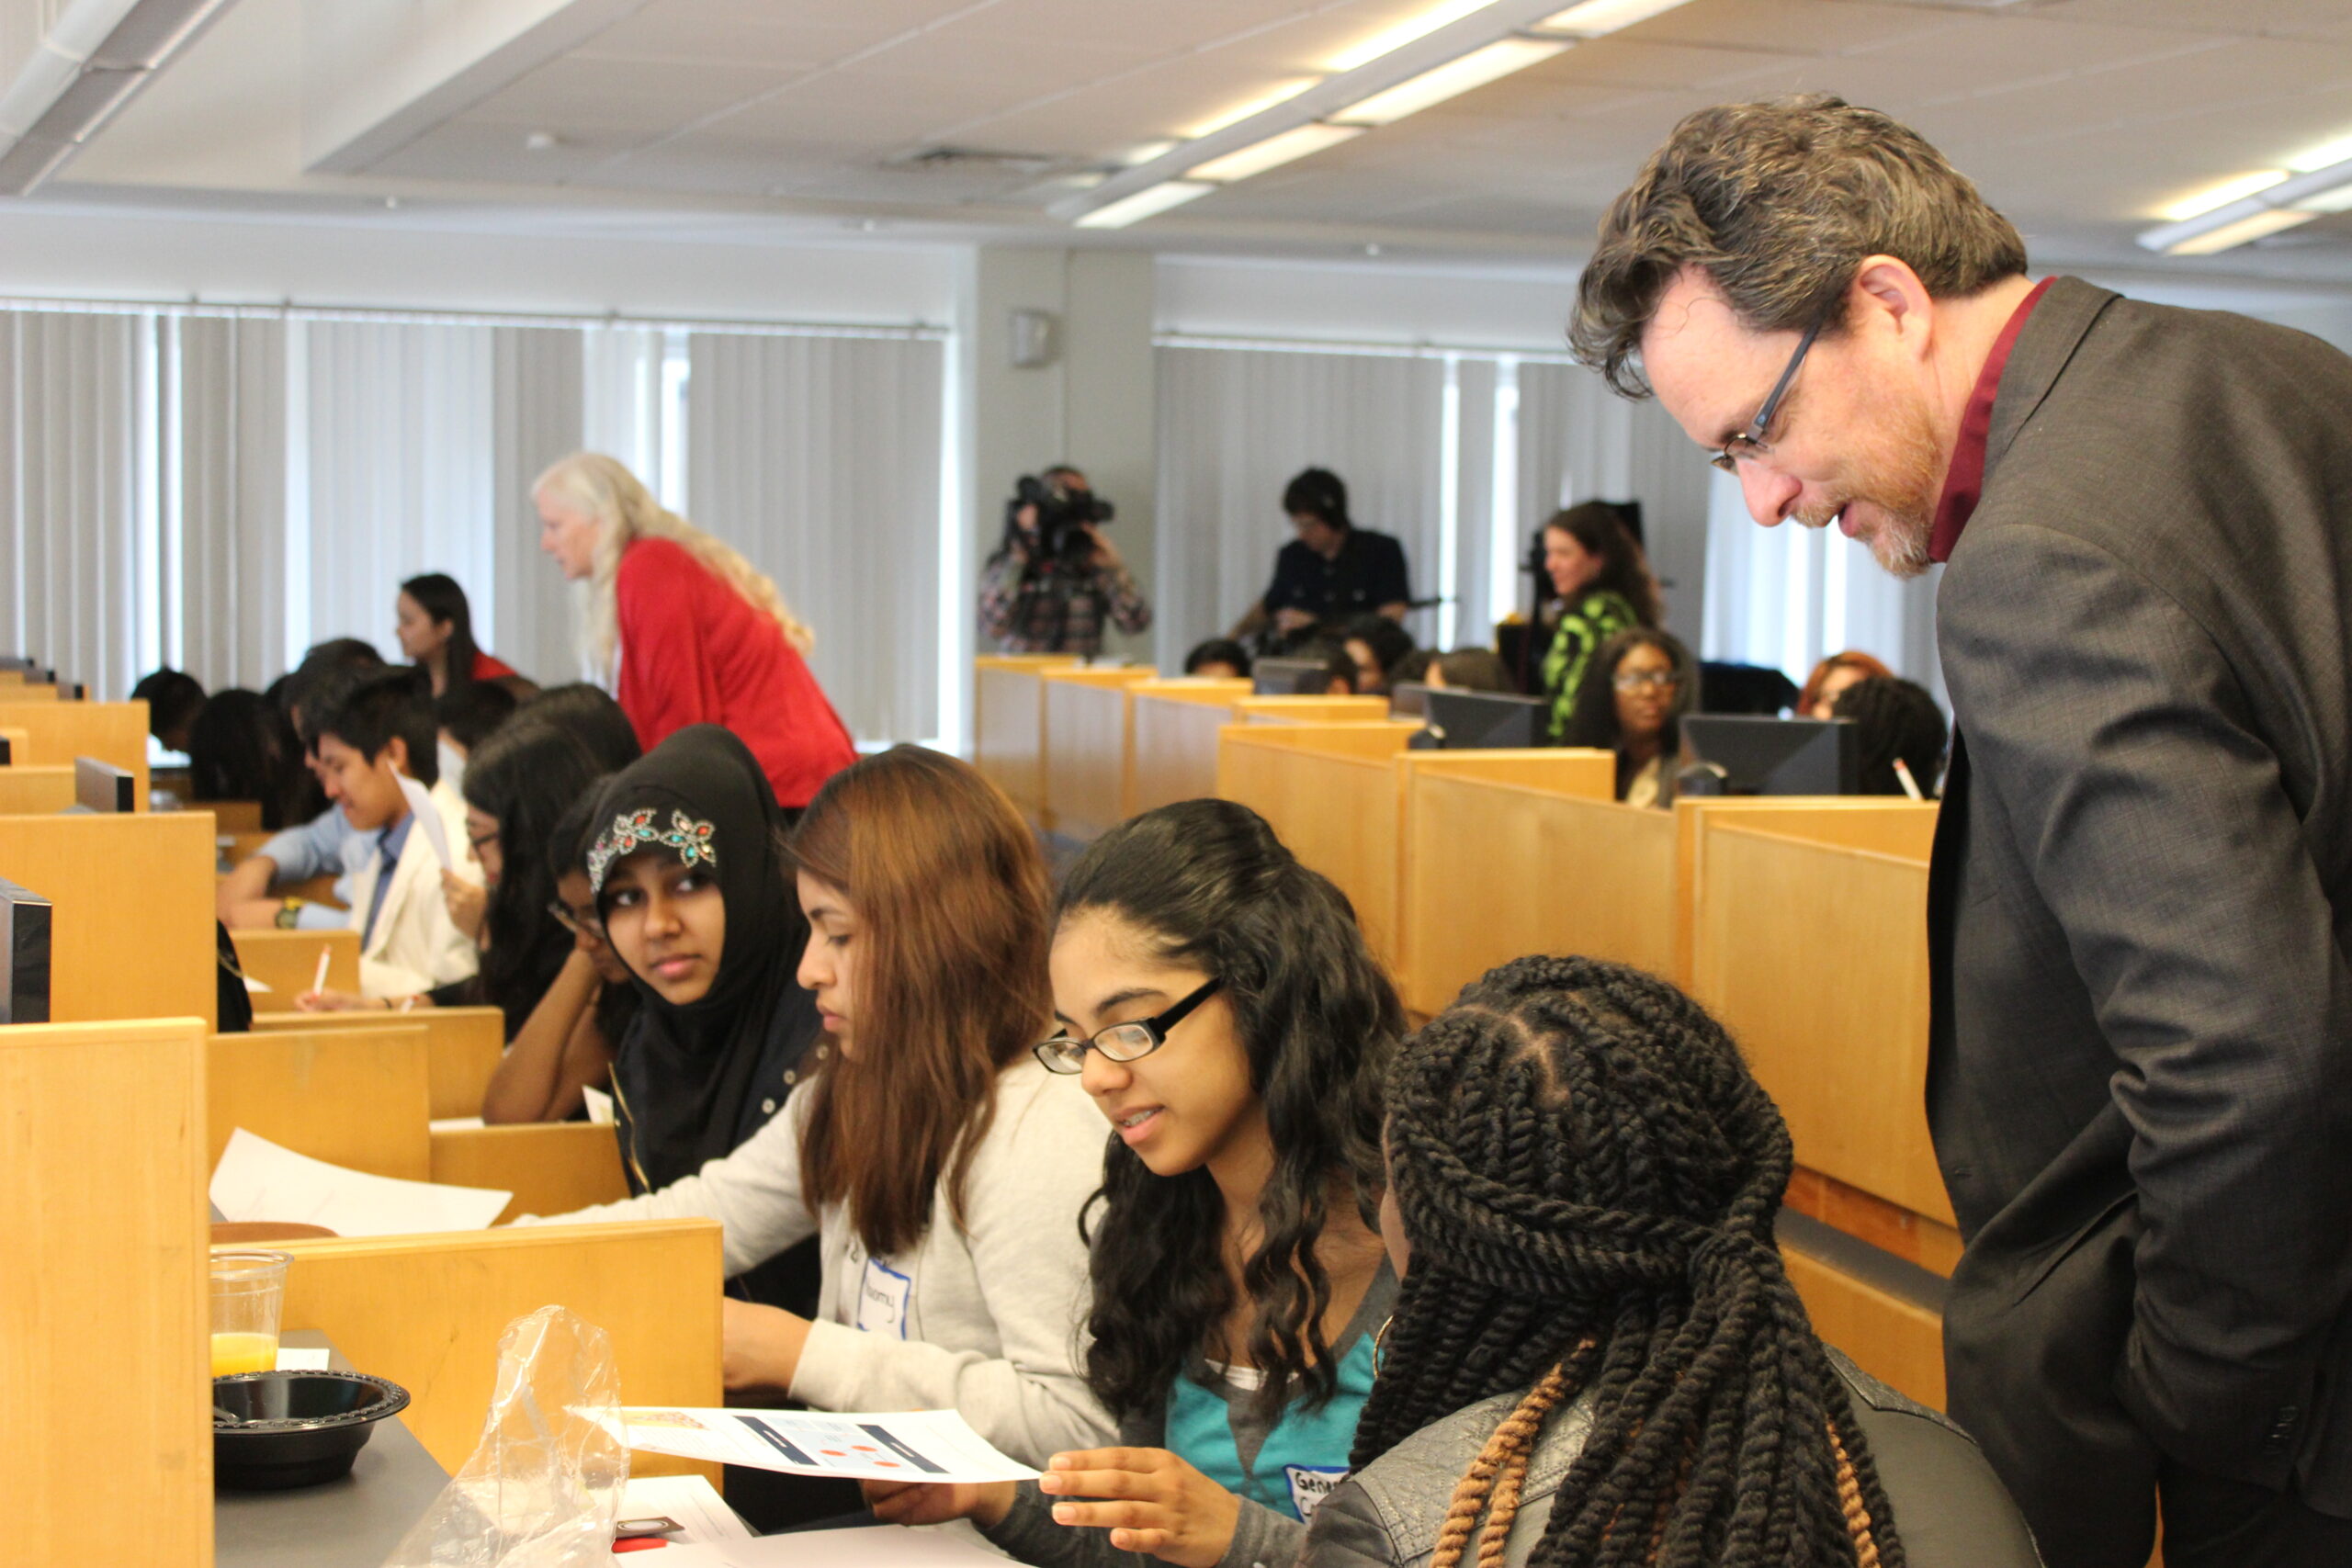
(290, 914)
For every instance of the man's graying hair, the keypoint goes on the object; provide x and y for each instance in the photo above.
(1778, 202)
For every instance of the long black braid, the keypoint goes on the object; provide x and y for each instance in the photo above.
(1587, 1175)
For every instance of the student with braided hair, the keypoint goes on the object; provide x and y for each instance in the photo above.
(1220, 1004)
(1596, 1357)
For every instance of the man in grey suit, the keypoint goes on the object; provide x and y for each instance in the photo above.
(2141, 1080)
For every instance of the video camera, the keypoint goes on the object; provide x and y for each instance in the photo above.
(1062, 516)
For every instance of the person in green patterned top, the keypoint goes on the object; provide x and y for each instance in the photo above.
(1603, 584)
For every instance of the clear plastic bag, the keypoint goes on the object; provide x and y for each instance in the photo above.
(543, 1488)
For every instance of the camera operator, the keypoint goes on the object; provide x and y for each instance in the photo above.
(1053, 580)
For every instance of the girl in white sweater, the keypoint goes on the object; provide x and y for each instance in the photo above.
(940, 1168)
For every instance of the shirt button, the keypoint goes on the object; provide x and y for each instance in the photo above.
(790, 1078)
(768, 1106)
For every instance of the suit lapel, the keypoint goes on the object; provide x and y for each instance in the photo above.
(2052, 333)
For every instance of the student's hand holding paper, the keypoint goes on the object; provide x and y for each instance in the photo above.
(334, 1001)
(1149, 1499)
(916, 1503)
(468, 902)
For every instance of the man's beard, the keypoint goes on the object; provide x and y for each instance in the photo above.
(1908, 482)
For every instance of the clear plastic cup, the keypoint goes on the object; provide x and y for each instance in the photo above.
(248, 1294)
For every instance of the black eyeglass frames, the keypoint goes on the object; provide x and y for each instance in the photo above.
(1749, 442)
(1121, 1041)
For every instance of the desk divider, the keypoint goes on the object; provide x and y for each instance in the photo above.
(33, 692)
(56, 733)
(106, 1431)
(287, 962)
(1009, 724)
(427, 1312)
(351, 1097)
(1082, 778)
(31, 791)
(552, 1167)
(1172, 738)
(133, 928)
(18, 738)
(462, 1045)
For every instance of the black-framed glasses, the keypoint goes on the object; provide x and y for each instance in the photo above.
(1121, 1041)
(1644, 680)
(575, 922)
(1749, 442)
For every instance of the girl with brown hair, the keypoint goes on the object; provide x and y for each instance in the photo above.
(937, 1163)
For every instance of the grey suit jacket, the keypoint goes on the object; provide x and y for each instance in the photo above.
(2141, 1078)
(1949, 1509)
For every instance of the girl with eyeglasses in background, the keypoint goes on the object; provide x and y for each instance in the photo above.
(940, 1166)
(1641, 684)
(1221, 1007)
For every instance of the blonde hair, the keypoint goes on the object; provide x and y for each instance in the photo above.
(603, 489)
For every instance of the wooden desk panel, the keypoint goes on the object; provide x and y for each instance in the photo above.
(131, 935)
(462, 1047)
(1898, 1342)
(1904, 828)
(17, 739)
(427, 1312)
(1332, 795)
(552, 1167)
(1171, 746)
(56, 733)
(352, 1097)
(287, 961)
(1084, 776)
(1009, 724)
(30, 791)
(1842, 1047)
(1311, 710)
(102, 1298)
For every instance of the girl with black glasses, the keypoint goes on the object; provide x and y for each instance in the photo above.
(1219, 1004)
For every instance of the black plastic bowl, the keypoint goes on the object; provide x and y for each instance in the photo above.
(295, 1429)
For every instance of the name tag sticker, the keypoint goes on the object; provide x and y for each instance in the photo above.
(1310, 1484)
(882, 1299)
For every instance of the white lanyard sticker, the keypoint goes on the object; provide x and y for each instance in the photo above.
(1310, 1484)
(882, 1299)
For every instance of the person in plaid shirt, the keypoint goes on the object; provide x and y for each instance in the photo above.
(1032, 602)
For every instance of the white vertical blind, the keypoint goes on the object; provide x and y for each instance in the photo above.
(819, 458)
(1474, 613)
(538, 413)
(228, 405)
(72, 510)
(401, 471)
(1236, 424)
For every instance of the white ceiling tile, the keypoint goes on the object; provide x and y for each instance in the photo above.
(588, 96)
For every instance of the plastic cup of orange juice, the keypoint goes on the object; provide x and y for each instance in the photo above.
(248, 1293)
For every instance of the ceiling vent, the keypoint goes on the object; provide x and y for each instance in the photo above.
(976, 160)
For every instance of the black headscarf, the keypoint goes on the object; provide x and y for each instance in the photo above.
(695, 1081)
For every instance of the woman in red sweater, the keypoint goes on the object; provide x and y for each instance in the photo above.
(692, 632)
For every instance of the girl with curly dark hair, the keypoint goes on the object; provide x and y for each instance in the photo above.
(1597, 1355)
(1221, 1006)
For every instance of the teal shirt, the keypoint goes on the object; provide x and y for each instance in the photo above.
(1292, 1465)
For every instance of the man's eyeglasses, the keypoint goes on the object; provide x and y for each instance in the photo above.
(1750, 445)
(574, 921)
(1646, 680)
(1121, 1041)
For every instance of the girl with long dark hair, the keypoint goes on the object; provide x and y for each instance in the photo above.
(1641, 683)
(518, 784)
(435, 627)
(1596, 1357)
(1219, 1003)
(1602, 580)
(939, 1166)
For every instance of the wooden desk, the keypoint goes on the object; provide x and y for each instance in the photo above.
(131, 934)
(30, 791)
(1009, 724)
(427, 1312)
(1085, 750)
(463, 1046)
(56, 733)
(17, 738)
(552, 1167)
(103, 1301)
(1172, 738)
(352, 1097)
(231, 815)
(1330, 794)
(287, 962)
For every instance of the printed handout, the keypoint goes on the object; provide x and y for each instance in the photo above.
(257, 1180)
(860, 1546)
(917, 1445)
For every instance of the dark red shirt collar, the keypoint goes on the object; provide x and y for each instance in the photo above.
(1964, 480)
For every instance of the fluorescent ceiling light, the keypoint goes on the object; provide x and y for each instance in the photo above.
(2222, 195)
(1147, 203)
(1453, 79)
(1595, 18)
(1274, 151)
(2336, 152)
(2241, 231)
(1235, 115)
(1398, 36)
(2336, 200)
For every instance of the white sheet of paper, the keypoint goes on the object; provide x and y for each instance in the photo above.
(306, 1359)
(453, 1124)
(256, 988)
(862, 1546)
(935, 1446)
(690, 1500)
(428, 817)
(257, 1180)
(600, 1105)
